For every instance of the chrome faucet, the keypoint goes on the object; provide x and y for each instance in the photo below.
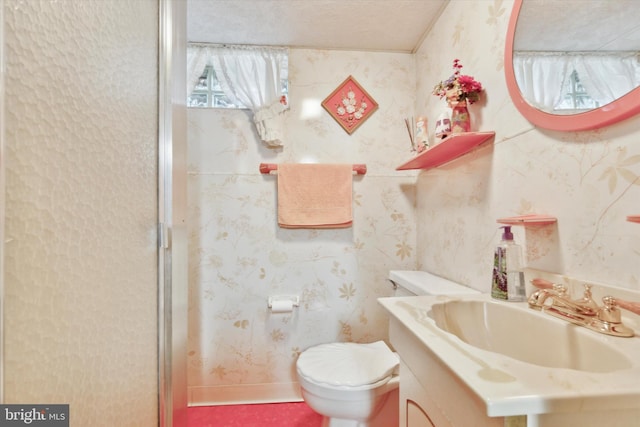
(553, 298)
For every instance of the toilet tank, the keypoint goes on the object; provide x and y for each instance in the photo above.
(412, 282)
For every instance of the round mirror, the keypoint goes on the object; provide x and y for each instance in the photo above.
(574, 64)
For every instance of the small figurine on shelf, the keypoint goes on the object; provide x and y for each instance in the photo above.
(418, 134)
(459, 91)
(443, 125)
(422, 137)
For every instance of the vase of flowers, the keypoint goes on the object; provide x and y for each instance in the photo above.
(460, 118)
(459, 91)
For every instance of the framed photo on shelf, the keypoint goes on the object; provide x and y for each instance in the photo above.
(350, 105)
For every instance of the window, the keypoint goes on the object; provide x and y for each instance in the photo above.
(209, 94)
(222, 76)
(575, 96)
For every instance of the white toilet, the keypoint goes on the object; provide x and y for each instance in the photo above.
(356, 385)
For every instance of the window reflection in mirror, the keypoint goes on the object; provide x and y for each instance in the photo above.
(575, 98)
(590, 43)
(557, 56)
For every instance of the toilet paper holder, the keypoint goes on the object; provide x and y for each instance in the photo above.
(295, 300)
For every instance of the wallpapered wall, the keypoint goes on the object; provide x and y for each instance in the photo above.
(587, 180)
(239, 257)
(442, 220)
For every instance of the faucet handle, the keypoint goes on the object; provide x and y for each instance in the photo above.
(541, 283)
(545, 284)
(609, 319)
(609, 311)
(633, 307)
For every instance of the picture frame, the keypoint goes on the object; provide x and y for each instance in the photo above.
(350, 105)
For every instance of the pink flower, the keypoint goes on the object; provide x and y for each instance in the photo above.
(458, 87)
(469, 84)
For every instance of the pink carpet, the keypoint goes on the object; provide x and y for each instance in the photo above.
(296, 414)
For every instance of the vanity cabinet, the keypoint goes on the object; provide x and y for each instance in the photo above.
(416, 417)
(429, 394)
(414, 400)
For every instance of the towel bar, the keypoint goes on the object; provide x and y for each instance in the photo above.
(360, 169)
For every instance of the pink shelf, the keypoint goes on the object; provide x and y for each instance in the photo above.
(452, 147)
(528, 220)
(633, 218)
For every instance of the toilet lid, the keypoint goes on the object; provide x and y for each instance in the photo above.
(347, 364)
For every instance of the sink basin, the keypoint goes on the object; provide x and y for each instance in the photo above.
(508, 360)
(528, 335)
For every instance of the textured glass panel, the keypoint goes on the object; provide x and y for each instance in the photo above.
(197, 100)
(221, 101)
(202, 83)
(82, 208)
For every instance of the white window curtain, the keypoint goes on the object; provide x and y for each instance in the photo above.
(541, 78)
(248, 75)
(605, 76)
(198, 57)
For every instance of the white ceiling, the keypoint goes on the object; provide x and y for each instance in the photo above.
(579, 25)
(401, 25)
(364, 25)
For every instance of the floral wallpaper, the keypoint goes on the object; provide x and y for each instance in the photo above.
(587, 180)
(238, 349)
(441, 220)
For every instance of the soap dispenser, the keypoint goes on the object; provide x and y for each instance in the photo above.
(508, 278)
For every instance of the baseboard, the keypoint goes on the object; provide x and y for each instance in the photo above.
(244, 394)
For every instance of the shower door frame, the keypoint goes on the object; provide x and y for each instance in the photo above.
(172, 212)
(2, 199)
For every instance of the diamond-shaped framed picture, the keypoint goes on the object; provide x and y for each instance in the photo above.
(350, 105)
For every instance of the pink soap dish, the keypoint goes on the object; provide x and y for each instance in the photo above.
(532, 219)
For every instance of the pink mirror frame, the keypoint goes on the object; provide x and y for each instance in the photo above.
(614, 112)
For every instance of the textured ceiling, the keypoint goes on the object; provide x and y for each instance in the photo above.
(400, 25)
(367, 25)
(579, 25)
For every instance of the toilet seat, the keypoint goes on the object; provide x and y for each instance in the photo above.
(348, 365)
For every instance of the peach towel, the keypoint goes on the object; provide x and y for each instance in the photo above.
(314, 195)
